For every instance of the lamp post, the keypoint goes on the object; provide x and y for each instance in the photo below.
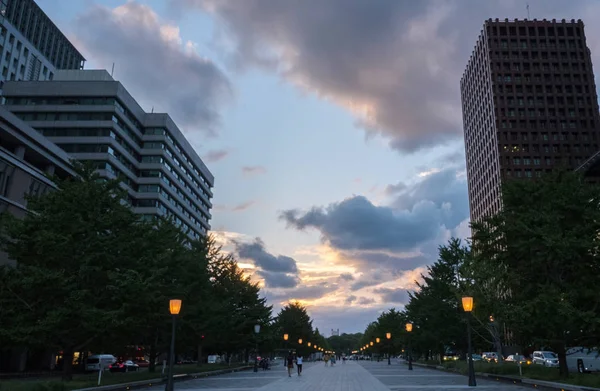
(256, 331)
(285, 338)
(174, 309)
(467, 304)
(389, 337)
(409, 328)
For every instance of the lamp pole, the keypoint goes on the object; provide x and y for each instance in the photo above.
(409, 327)
(256, 331)
(467, 303)
(174, 308)
(389, 337)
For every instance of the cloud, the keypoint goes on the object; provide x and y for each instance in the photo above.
(350, 299)
(395, 64)
(253, 170)
(365, 301)
(215, 155)
(155, 64)
(278, 271)
(392, 295)
(243, 206)
(399, 236)
(346, 276)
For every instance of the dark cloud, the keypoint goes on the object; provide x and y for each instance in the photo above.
(243, 206)
(390, 236)
(215, 155)
(278, 280)
(253, 170)
(154, 64)
(350, 299)
(395, 63)
(278, 271)
(392, 295)
(346, 276)
(365, 301)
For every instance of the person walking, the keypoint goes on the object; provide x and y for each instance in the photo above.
(326, 359)
(290, 363)
(299, 365)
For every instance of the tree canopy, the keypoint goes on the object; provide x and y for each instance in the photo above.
(91, 275)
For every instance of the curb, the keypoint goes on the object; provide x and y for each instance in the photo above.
(539, 384)
(153, 382)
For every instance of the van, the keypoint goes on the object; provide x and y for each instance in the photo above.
(214, 359)
(583, 360)
(545, 358)
(94, 362)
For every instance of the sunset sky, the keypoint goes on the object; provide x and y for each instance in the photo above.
(333, 127)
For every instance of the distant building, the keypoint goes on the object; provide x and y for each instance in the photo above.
(529, 106)
(93, 118)
(31, 46)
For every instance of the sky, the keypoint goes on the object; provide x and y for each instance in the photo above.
(333, 128)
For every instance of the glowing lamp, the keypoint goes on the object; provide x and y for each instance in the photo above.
(174, 306)
(467, 303)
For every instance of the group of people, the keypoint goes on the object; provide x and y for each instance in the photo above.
(327, 358)
(290, 364)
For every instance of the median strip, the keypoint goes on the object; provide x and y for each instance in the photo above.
(153, 382)
(539, 384)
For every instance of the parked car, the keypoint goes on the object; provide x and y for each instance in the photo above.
(545, 358)
(517, 358)
(94, 362)
(123, 366)
(490, 356)
(476, 357)
(142, 363)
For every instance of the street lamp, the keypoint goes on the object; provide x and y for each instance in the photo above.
(467, 304)
(409, 328)
(389, 336)
(256, 331)
(174, 309)
(377, 340)
(300, 341)
(285, 338)
(371, 343)
(308, 344)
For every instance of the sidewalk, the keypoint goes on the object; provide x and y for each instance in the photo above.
(342, 377)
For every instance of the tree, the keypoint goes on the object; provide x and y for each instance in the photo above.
(293, 319)
(434, 307)
(539, 258)
(73, 252)
(236, 305)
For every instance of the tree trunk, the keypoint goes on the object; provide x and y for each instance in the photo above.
(67, 364)
(152, 358)
(199, 362)
(563, 369)
(153, 353)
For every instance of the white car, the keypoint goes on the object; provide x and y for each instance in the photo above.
(545, 358)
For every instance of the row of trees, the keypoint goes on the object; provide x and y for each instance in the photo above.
(533, 270)
(293, 320)
(90, 276)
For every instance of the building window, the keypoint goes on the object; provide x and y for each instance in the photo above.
(6, 173)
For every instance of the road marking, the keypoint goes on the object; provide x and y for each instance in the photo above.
(238, 378)
(449, 375)
(440, 387)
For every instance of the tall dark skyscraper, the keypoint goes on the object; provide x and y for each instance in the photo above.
(529, 105)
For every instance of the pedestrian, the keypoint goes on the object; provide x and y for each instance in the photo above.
(326, 359)
(332, 359)
(299, 365)
(343, 359)
(290, 363)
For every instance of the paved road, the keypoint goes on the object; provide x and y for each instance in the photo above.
(352, 376)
